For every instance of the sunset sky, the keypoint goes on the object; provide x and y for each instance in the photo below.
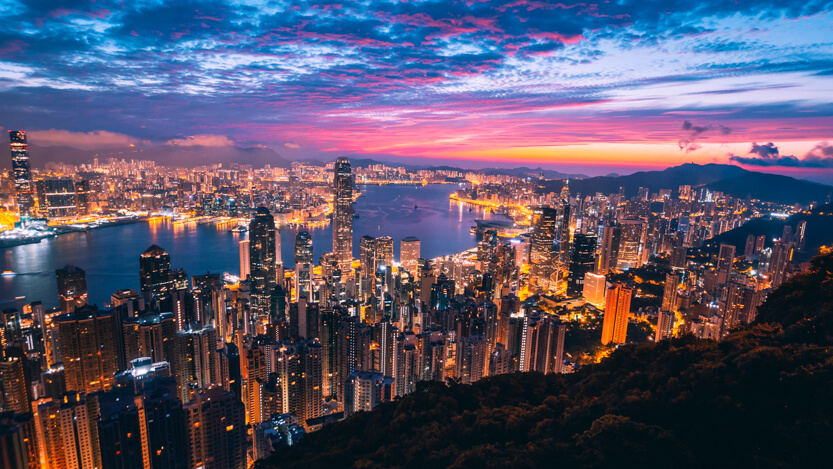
(593, 87)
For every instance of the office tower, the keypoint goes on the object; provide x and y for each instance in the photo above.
(749, 249)
(155, 273)
(564, 230)
(583, 261)
(541, 255)
(150, 335)
(245, 266)
(72, 288)
(14, 389)
(83, 198)
(303, 248)
(631, 245)
(665, 325)
(215, 422)
(303, 281)
(617, 311)
(384, 252)
(164, 436)
(22, 173)
(594, 289)
(409, 253)
(56, 198)
(67, 432)
(679, 257)
(367, 255)
(343, 214)
(263, 269)
(725, 260)
(364, 390)
(195, 360)
(472, 359)
(89, 348)
(609, 257)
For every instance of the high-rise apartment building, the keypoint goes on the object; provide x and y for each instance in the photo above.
(594, 289)
(215, 422)
(409, 253)
(88, 340)
(245, 263)
(617, 311)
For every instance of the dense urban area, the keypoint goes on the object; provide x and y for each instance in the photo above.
(223, 369)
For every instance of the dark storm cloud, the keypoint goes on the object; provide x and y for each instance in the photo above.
(821, 156)
(693, 132)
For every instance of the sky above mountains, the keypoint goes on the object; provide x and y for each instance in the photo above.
(615, 85)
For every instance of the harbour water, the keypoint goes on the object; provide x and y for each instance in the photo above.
(110, 256)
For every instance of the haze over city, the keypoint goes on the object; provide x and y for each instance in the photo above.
(585, 88)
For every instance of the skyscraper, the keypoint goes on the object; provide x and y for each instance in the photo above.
(543, 236)
(72, 288)
(384, 252)
(22, 173)
(669, 296)
(631, 244)
(216, 424)
(611, 237)
(303, 248)
(582, 261)
(725, 259)
(665, 325)
(155, 273)
(409, 253)
(594, 289)
(343, 214)
(617, 310)
(245, 265)
(89, 349)
(263, 269)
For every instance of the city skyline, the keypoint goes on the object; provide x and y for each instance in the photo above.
(608, 87)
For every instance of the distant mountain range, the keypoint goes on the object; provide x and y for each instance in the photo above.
(728, 179)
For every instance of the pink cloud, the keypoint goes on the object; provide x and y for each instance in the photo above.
(202, 141)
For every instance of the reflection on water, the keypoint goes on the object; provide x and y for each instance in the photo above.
(111, 255)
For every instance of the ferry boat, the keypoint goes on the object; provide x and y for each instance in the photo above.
(239, 229)
(7, 273)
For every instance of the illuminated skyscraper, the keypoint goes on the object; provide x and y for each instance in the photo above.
(669, 296)
(384, 252)
(245, 266)
(611, 237)
(263, 269)
(631, 245)
(409, 253)
(72, 288)
(56, 198)
(303, 248)
(89, 349)
(665, 325)
(155, 273)
(594, 289)
(583, 260)
(617, 310)
(541, 252)
(22, 173)
(343, 214)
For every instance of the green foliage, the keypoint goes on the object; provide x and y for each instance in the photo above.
(763, 397)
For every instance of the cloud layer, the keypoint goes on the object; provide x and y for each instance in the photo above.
(420, 78)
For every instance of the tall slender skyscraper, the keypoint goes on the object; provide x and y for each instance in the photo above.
(245, 267)
(22, 173)
(263, 269)
(343, 214)
(541, 252)
(409, 253)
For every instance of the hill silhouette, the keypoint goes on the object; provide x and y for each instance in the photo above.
(762, 397)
